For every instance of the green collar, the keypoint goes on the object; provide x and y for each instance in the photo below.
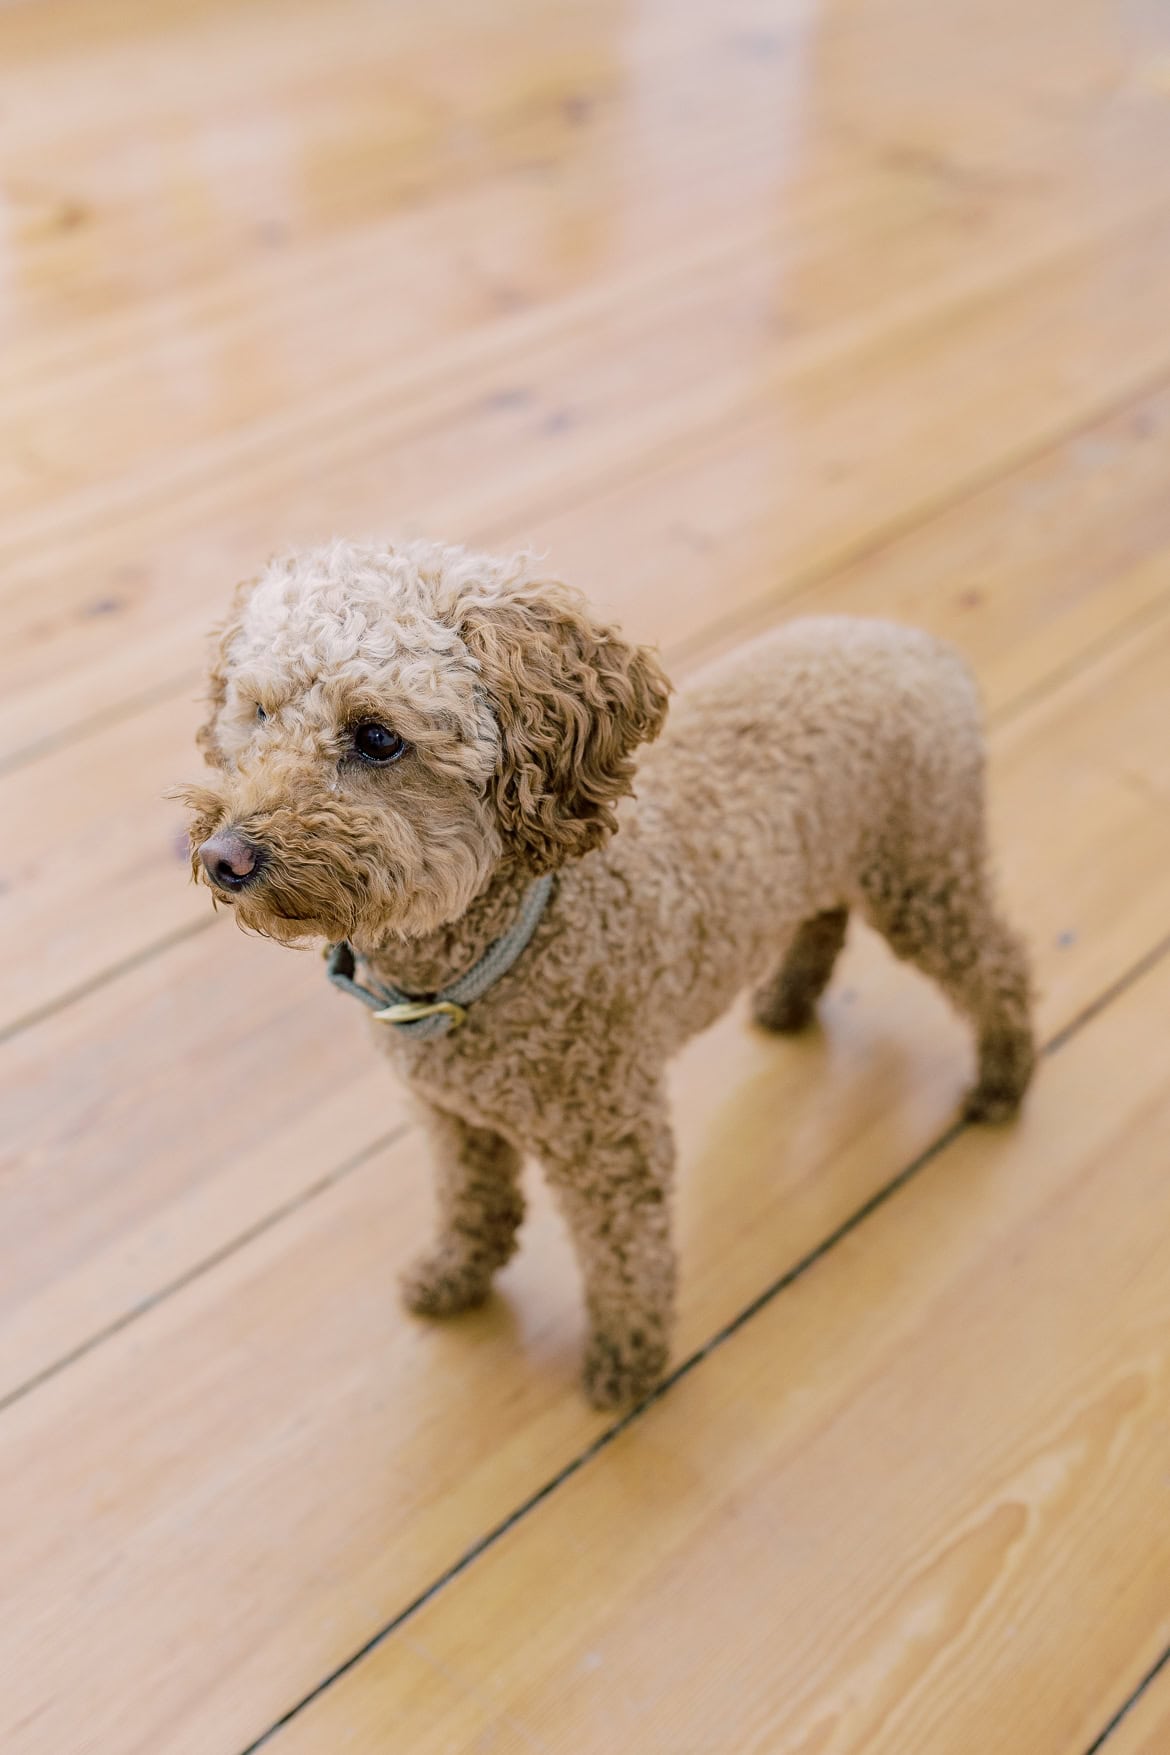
(437, 1015)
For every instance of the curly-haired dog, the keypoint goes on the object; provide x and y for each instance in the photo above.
(410, 738)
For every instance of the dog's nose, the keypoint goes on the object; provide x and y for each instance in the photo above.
(229, 860)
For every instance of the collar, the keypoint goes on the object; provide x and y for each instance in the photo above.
(445, 1011)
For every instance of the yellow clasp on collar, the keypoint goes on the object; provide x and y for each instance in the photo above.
(410, 1011)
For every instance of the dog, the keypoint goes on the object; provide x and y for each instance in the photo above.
(425, 756)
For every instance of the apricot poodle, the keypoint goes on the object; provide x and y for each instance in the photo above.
(426, 757)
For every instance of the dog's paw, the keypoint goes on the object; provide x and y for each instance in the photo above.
(782, 1008)
(992, 1104)
(443, 1283)
(1006, 1063)
(623, 1369)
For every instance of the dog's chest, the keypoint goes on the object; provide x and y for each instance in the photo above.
(485, 1078)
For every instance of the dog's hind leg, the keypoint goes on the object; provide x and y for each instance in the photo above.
(480, 1209)
(786, 1002)
(944, 921)
(1007, 1052)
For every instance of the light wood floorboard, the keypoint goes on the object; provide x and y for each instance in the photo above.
(738, 309)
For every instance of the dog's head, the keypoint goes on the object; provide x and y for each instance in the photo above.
(390, 726)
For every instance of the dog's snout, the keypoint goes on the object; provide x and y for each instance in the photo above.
(230, 861)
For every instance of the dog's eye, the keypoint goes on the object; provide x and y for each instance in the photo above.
(260, 713)
(377, 743)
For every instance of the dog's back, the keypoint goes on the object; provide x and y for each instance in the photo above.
(829, 733)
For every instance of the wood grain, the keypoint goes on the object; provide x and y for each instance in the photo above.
(283, 1396)
(899, 418)
(629, 124)
(882, 1519)
(966, 286)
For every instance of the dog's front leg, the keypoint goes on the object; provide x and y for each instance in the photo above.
(614, 1184)
(480, 1209)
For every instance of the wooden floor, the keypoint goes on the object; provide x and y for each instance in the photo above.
(738, 308)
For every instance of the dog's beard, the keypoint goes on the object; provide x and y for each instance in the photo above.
(343, 874)
(276, 911)
(285, 910)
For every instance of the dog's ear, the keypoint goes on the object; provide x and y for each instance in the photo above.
(218, 670)
(572, 700)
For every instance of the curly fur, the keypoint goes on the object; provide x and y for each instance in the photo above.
(832, 765)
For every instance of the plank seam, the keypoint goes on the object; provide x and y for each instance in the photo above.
(116, 713)
(1128, 1705)
(919, 519)
(1136, 973)
(196, 1271)
(125, 966)
(409, 404)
